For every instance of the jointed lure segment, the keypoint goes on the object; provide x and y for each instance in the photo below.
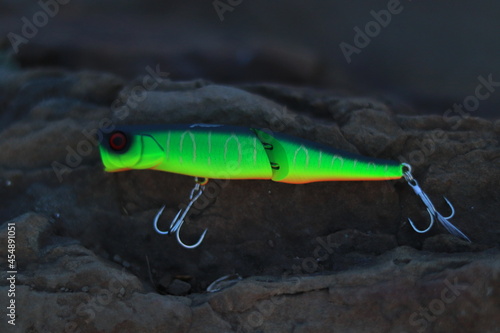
(230, 152)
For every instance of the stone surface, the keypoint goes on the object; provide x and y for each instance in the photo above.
(178, 288)
(315, 258)
(31, 230)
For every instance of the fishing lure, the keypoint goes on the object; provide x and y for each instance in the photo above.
(207, 151)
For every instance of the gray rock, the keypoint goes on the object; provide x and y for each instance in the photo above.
(31, 230)
(178, 287)
(317, 257)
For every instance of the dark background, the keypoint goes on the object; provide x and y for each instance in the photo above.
(374, 273)
(429, 55)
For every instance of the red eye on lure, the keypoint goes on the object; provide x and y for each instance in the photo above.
(117, 141)
(207, 151)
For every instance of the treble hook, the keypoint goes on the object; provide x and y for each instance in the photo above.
(433, 213)
(178, 221)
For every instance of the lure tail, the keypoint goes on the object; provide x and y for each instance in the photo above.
(299, 161)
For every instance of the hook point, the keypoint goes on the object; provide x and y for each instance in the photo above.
(195, 244)
(155, 222)
(420, 231)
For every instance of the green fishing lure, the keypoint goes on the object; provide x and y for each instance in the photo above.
(213, 151)
(210, 151)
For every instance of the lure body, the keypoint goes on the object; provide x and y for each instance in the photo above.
(230, 152)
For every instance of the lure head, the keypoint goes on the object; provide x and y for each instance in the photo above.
(123, 150)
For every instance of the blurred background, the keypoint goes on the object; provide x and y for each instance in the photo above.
(428, 54)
